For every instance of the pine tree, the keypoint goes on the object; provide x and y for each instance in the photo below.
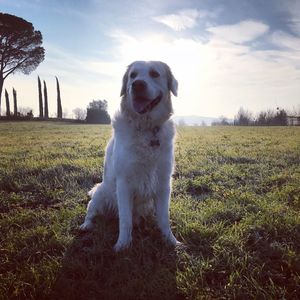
(15, 102)
(20, 47)
(46, 115)
(40, 98)
(7, 104)
(59, 108)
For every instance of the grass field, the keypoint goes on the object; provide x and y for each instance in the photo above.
(235, 205)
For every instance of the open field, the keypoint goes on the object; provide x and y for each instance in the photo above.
(235, 205)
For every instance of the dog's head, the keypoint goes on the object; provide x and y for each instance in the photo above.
(146, 89)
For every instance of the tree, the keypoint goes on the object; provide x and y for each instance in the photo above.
(265, 118)
(46, 114)
(224, 121)
(243, 117)
(280, 118)
(40, 98)
(20, 47)
(272, 118)
(15, 102)
(29, 114)
(80, 114)
(59, 108)
(261, 119)
(97, 112)
(7, 104)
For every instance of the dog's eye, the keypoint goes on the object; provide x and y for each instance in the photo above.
(133, 75)
(154, 74)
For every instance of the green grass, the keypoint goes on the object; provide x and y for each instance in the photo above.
(235, 205)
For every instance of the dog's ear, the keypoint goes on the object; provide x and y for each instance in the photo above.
(172, 82)
(124, 82)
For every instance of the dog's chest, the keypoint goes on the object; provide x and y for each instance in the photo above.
(145, 152)
(142, 156)
(147, 146)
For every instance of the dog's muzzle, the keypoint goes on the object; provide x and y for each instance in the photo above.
(141, 103)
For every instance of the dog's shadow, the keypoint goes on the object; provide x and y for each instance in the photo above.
(92, 270)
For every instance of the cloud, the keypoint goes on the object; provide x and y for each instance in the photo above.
(183, 19)
(74, 67)
(242, 32)
(293, 9)
(218, 76)
(285, 40)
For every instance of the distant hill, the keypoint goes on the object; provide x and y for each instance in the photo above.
(194, 120)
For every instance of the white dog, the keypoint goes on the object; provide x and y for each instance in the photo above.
(139, 157)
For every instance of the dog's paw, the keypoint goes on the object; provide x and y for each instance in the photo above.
(86, 226)
(180, 246)
(171, 239)
(121, 245)
(176, 244)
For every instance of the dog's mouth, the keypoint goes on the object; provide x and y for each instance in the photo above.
(143, 105)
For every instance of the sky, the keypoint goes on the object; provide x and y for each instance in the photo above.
(225, 54)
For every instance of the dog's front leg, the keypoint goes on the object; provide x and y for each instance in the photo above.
(124, 195)
(162, 211)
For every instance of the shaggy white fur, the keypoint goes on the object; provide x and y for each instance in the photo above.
(139, 157)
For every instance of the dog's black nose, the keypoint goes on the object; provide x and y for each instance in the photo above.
(139, 86)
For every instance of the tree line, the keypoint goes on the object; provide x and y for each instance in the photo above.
(279, 117)
(21, 51)
(16, 113)
(8, 111)
(95, 113)
(244, 117)
(43, 103)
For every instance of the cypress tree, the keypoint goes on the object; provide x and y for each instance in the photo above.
(15, 102)
(40, 98)
(59, 108)
(7, 104)
(46, 115)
